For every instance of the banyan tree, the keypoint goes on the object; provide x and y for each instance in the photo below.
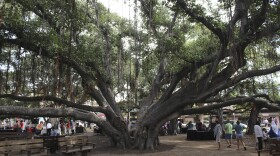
(73, 58)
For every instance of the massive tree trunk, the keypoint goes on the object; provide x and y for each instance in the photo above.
(253, 118)
(173, 127)
(39, 29)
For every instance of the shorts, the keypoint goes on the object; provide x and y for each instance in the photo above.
(239, 136)
(227, 136)
(218, 138)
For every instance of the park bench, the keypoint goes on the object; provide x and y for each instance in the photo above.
(14, 136)
(73, 144)
(274, 146)
(50, 143)
(22, 147)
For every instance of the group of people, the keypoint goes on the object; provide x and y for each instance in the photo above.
(218, 131)
(199, 126)
(262, 134)
(49, 128)
(171, 128)
(20, 126)
(67, 127)
(62, 128)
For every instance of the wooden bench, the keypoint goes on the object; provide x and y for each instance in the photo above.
(14, 135)
(50, 143)
(22, 147)
(274, 146)
(73, 144)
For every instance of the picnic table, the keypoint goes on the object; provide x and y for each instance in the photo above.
(200, 135)
(11, 135)
(22, 147)
(50, 142)
(274, 146)
(75, 143)
(7, 130)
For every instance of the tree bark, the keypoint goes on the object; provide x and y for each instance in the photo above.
(253, 118)
(172, 129)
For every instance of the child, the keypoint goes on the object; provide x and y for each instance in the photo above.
(265, 137)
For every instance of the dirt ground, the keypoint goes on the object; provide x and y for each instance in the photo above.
(178, 146)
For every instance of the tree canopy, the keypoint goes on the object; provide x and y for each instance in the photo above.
(75, 57)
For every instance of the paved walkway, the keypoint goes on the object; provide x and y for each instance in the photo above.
(178, 146)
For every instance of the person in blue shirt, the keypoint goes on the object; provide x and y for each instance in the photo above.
(190, 126)
(239, 135)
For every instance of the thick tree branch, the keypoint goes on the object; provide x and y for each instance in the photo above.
(54, 99)
(27, 44)
(156, 85)
(66, 112)
(63, 59)
(194, 65)
(49, 112)
(233, 101)
(257, 20)
(267, 32)
(189, 11)
(219, 100)
(87, 77)
(220, 85)
(254, 73)
(102, 84)
(42, 13)
(214, 67)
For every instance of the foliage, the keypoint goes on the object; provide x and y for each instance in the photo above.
(72, 53)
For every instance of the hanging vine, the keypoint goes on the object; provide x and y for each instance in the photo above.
(7, 86)
(18, 70)
(33, 73)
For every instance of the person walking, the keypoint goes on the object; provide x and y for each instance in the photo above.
(228, 133)
(217, 133)
(259, 135)
(239, 135)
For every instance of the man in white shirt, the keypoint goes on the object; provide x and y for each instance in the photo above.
(259, 135)
(49, 128)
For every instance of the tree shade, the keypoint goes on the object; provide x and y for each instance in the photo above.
(73, 58)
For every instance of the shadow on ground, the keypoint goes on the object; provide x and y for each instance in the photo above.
(176, 146)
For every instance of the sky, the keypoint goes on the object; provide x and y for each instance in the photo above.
(123, 8)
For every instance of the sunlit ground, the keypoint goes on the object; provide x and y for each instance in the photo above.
(178, 146)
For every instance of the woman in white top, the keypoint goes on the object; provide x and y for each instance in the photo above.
(259, 135)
